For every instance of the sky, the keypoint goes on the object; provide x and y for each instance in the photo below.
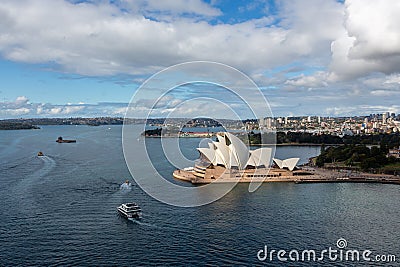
(61, 58)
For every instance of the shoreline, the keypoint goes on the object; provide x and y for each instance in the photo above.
(317, 175)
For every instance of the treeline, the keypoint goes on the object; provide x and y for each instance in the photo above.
(390, 140)
(359, 156)
(152, 132)
(5, 125)
(301, 138)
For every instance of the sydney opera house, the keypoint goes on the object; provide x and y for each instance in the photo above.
(229, 160)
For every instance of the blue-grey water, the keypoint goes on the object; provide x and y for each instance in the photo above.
(60, 209)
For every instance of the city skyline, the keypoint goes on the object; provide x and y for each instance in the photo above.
(87, 58)
(387, 123)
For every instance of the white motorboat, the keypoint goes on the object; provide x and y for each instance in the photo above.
(130, 210)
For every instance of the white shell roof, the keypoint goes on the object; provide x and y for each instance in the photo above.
(236, 154)
(260, 156)
(239, 152)
(287, 163)
(223, 153)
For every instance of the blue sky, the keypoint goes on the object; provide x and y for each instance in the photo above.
(62, 58)
(44, 85)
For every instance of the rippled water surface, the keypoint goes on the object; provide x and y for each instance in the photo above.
(60, 209)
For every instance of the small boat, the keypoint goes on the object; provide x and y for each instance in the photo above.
(40, 154)
(130, 210)
(61, 140)
(126, 185)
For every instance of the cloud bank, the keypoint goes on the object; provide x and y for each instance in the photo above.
(340, 54)
(107, 39)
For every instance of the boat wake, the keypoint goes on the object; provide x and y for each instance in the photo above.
(120, 194)
(126, 186)
(183, 230)
(36, 176)
(48, 166)
(24, 189)
(143, 223)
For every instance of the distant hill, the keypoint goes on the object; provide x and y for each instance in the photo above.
(7, 125)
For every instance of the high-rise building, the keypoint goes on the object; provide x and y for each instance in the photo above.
(384, 117)
(269, 123)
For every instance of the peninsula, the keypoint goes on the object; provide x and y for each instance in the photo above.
(5, 125)
(228, 160)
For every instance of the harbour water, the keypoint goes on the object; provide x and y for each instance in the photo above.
(60, 209)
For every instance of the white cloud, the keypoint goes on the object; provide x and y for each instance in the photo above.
(55, 111)
(381, 81)
(375, 25)
(364, 109)
(119, 112)
(356, 47)
(370, 42)
(21, 100)
(23, 107)
(385, 93)
(171, 7)
(39, 110)
(15, 108)
(311, 81)
(72, 109)
(14, 112)
(100, 39)
(393, 79)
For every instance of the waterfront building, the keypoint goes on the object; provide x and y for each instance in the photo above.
(395, 152)
(229, 160)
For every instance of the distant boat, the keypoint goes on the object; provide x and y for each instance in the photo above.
(40, 154)
(126, 185)
(61, 140)
(130, 210)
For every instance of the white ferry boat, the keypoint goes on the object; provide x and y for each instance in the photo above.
(130, 210)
